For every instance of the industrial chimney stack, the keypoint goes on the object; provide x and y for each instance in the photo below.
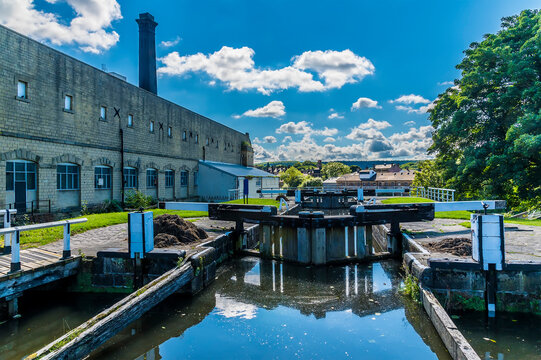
(147, 53)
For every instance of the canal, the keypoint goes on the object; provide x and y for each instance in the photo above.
(271, 310)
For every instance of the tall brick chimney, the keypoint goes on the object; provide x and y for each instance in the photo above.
(147, 53)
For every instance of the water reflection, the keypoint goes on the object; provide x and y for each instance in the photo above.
(267, 309)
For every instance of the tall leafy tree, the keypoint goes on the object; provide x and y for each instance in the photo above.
(334, 169)
(487, 137)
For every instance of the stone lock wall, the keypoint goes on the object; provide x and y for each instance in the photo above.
(39, 129)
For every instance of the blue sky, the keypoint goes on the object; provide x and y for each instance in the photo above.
(327, 80)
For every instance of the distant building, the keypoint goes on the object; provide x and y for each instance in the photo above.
(222, 181)
(330, 184)
(370, 180)
(387, 168)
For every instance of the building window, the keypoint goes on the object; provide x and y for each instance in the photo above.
(151, 128)
(22, 90)
(152, 178)
(196, 138)
(216, 144)
(195, 178)
(184, 137)
(103, 113)
(169, 178)
(68, 103)
(258, 181)
(67, 177)
(208, 142)
(184, 178)
(169, 131)
(130, 178)
(102, 177)
(130, 120)
(18, 171)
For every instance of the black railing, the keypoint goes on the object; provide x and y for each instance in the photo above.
(32, 207)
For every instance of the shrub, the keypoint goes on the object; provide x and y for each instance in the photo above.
(136, 199)
(312, 182)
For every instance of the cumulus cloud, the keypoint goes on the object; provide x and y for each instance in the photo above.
(446, 83)
(409, 123)
(170, 43)
(286, 139)
(410, 99)
(329, 139)
(364, 102)
(412, 110)
(304, 127)
(269, 139)
(256, 140)
(335, 116)
(273, 109)
(368, 130)
(406, 145)
(236, 69)
(86, 30)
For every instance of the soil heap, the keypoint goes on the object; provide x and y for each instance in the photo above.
(171, 230)
(455, 246)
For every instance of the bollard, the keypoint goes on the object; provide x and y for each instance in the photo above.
(15, 256)
(360, 195)
(67, 234)
(7, 224)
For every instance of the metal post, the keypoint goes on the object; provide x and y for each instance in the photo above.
(15, 257)
(7, 237)
(67, 234)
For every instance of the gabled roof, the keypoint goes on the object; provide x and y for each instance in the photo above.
(235, 169)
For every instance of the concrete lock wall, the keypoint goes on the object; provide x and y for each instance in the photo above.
(39, 129)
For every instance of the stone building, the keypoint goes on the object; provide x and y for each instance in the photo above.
(72, 134)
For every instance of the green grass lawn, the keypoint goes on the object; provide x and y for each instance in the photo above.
(45, 236)
(256, 202)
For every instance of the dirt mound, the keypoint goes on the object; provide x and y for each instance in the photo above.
(172, 230)
(455, 246)
(165, 240)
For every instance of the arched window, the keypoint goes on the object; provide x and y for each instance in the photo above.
(102, 177)
(152, 178)
(130, 178)
(169, 178)
(67, 176)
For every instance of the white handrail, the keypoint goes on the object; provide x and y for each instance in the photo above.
(15, 246)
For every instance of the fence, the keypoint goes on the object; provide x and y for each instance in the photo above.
(436, 194)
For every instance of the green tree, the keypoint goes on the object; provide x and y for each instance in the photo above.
(292, 177)
(355, 168)
(334, 169)
(428, 175)
(310, 181)
(487, 137)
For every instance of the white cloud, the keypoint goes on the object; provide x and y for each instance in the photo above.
(170, 43)
(410, 99)
(87, 29)
(236, 68)
(364, 102)
(273, 109)
(286, 139)
(409, 145)
(335, 116)
(374, 124)
(446, 83)
(409, 123)
(412, 110)
(256, 141)
(304, 127)
(269, 139)
(368, 130)
(329, 139)
(336, 68)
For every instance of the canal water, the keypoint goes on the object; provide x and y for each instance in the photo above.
(45, 316)
(269, 310)
(507, 336)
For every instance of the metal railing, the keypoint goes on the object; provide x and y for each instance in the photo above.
(12, 238)
(436, 194)
(32, 207)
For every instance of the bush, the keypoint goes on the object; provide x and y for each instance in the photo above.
(107, 206)
(136, 199)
